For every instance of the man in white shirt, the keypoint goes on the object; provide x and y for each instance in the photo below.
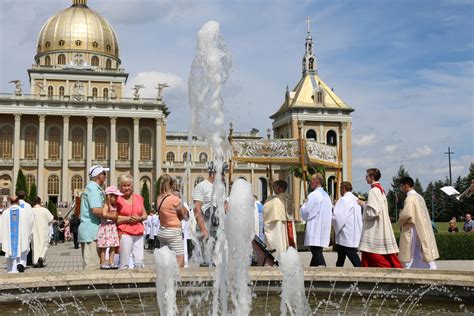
(347, 223)
(317, 212)
(149, 231)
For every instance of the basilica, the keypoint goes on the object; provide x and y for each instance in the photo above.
(74, 115)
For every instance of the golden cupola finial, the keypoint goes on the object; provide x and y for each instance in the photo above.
(79, 2)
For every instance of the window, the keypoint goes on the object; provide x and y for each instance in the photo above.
(47, 44)
(6, 142)
(61, 42)
(106, 93)
(186, 156)
(95, 61)
(94, 92)
(95, 44)
(77, 144)
(50, 91)
(170, 156)
(108, 64)
(198, 179)
(145, 145)
(311, 134)
(61, 91)
(78, 43)
(123, 144)
(54, 137)
(319, 97)
(332, 187)
(47, 61)
(100, 144)
(53, 185)
(76, 183)
(30, 142)
(202, 157)
(30, 180)
(108, 47)
(61, 59)
(331, 138)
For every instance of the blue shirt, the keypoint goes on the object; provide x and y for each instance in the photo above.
(92, 197)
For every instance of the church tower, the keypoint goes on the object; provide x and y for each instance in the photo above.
(320, 113)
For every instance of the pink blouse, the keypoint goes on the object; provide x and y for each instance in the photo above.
(134, 209)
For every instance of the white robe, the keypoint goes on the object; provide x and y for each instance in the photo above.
(25, 228)
(148, 225)
(43, 218)
(155, 226)
(317, 212)
(347, 221)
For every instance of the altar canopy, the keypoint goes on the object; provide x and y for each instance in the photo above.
(284, 151)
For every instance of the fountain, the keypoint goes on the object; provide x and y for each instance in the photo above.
(231, 287)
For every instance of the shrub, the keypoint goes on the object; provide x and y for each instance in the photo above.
(456, 246)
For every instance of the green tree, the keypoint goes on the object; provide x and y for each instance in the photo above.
(21, 182)
(418, 187)
(395, 197)
(146, 196)
(33, 192)
(53, 209)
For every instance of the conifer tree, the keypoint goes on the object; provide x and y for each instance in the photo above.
(21, 182)
(33, 192)
(146, 196)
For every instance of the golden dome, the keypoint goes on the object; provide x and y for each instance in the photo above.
(78, 28)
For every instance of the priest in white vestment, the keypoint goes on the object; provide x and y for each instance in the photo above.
(378, 245)
(15, 235)
(418, 249)
(148, 230)
(317, 212)
(43, 219)
(347, 223)
(278, 220)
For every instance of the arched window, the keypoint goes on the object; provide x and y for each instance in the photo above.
(198, 179)
(30, 179)
(47, 61)
(30, 142)
(61, 91)
(106, 93)
(54, 138)
(61, 59)
(95, 61)
(94, 92)
(123, 144)
(202, 157)
(50, 91)
(145, 144)
(186, 156)
(100, 142)
(108, 64)
(331, 138)
(319, 97)
(77, 144)
(311, 134)
(5, 185)
(76, 183)
(53, 185)
(170, 157)
(6, 142)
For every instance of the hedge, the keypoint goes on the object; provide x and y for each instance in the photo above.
(451, 246)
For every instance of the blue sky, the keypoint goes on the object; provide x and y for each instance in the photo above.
(406, 67)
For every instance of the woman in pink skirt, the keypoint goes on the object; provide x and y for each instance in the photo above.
(107, 237)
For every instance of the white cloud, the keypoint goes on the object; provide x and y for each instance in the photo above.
(364, 162)
(421, 152)
(454, 170)
(390, 149)
(365, 140)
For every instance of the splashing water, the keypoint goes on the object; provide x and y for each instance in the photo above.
(293, 296)
(209, 72)
(239, 234)
(167, 275)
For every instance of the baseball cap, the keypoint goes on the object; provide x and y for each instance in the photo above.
(94, 171)
(113, 190)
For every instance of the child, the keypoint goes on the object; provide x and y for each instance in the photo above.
(107, 237)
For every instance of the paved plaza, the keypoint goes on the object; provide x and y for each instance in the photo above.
(64, 258)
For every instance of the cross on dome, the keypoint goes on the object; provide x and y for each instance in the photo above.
(308, 22)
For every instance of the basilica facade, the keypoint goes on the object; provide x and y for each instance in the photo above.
(75, 116)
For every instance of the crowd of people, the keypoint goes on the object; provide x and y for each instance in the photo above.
(113, 229)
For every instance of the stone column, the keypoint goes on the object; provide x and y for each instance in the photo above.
(344, 153)
(65, 163)
(40, 180)
(158, 149)
(90, 121)
(113, 151)
(136, 155)
(16, 150)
